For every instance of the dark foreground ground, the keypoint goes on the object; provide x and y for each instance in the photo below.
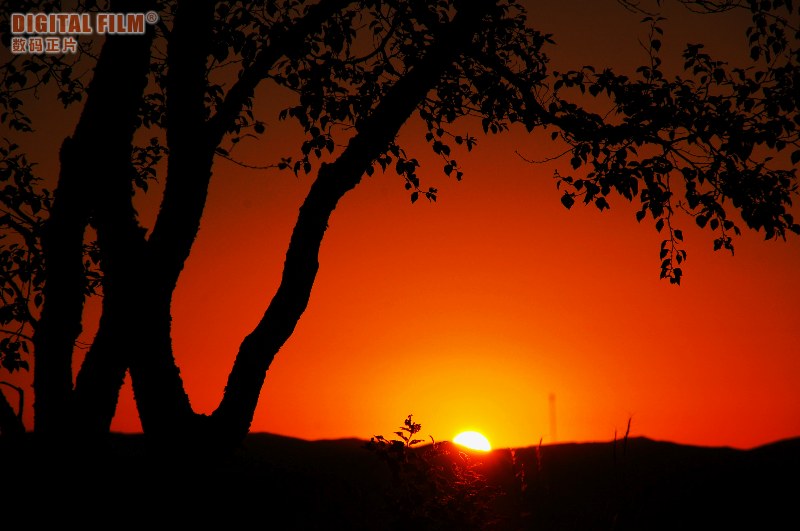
(282, 483)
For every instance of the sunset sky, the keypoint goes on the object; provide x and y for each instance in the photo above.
(469, 313)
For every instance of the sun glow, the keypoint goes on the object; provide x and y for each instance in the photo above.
(473, 440)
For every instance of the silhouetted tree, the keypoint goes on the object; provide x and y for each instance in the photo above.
(360, 69)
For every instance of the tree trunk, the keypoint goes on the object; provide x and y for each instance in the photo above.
(235, 413)
(60, 321)
(94, 161)
(161, 401)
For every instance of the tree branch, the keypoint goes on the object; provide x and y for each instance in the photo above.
(375, 133)
(279, 46)
(189, 159)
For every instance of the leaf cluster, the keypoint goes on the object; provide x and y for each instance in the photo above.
(22, 205)
(341, 82)
(23, 77)
(719, 143)
(24, 208)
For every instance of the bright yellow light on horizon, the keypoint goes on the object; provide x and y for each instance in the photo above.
(473, 440)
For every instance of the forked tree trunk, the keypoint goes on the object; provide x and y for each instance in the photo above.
(135, 323)
(141, 275)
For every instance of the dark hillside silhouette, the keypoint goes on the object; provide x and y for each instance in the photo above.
(287, 483)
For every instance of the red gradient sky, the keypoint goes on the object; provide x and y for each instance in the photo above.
(470, 312)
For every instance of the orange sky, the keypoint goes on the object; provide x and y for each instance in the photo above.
(470, 312)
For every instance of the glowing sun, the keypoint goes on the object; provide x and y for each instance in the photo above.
(473, 440)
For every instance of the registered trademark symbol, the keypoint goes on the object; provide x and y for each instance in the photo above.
(151, 17)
